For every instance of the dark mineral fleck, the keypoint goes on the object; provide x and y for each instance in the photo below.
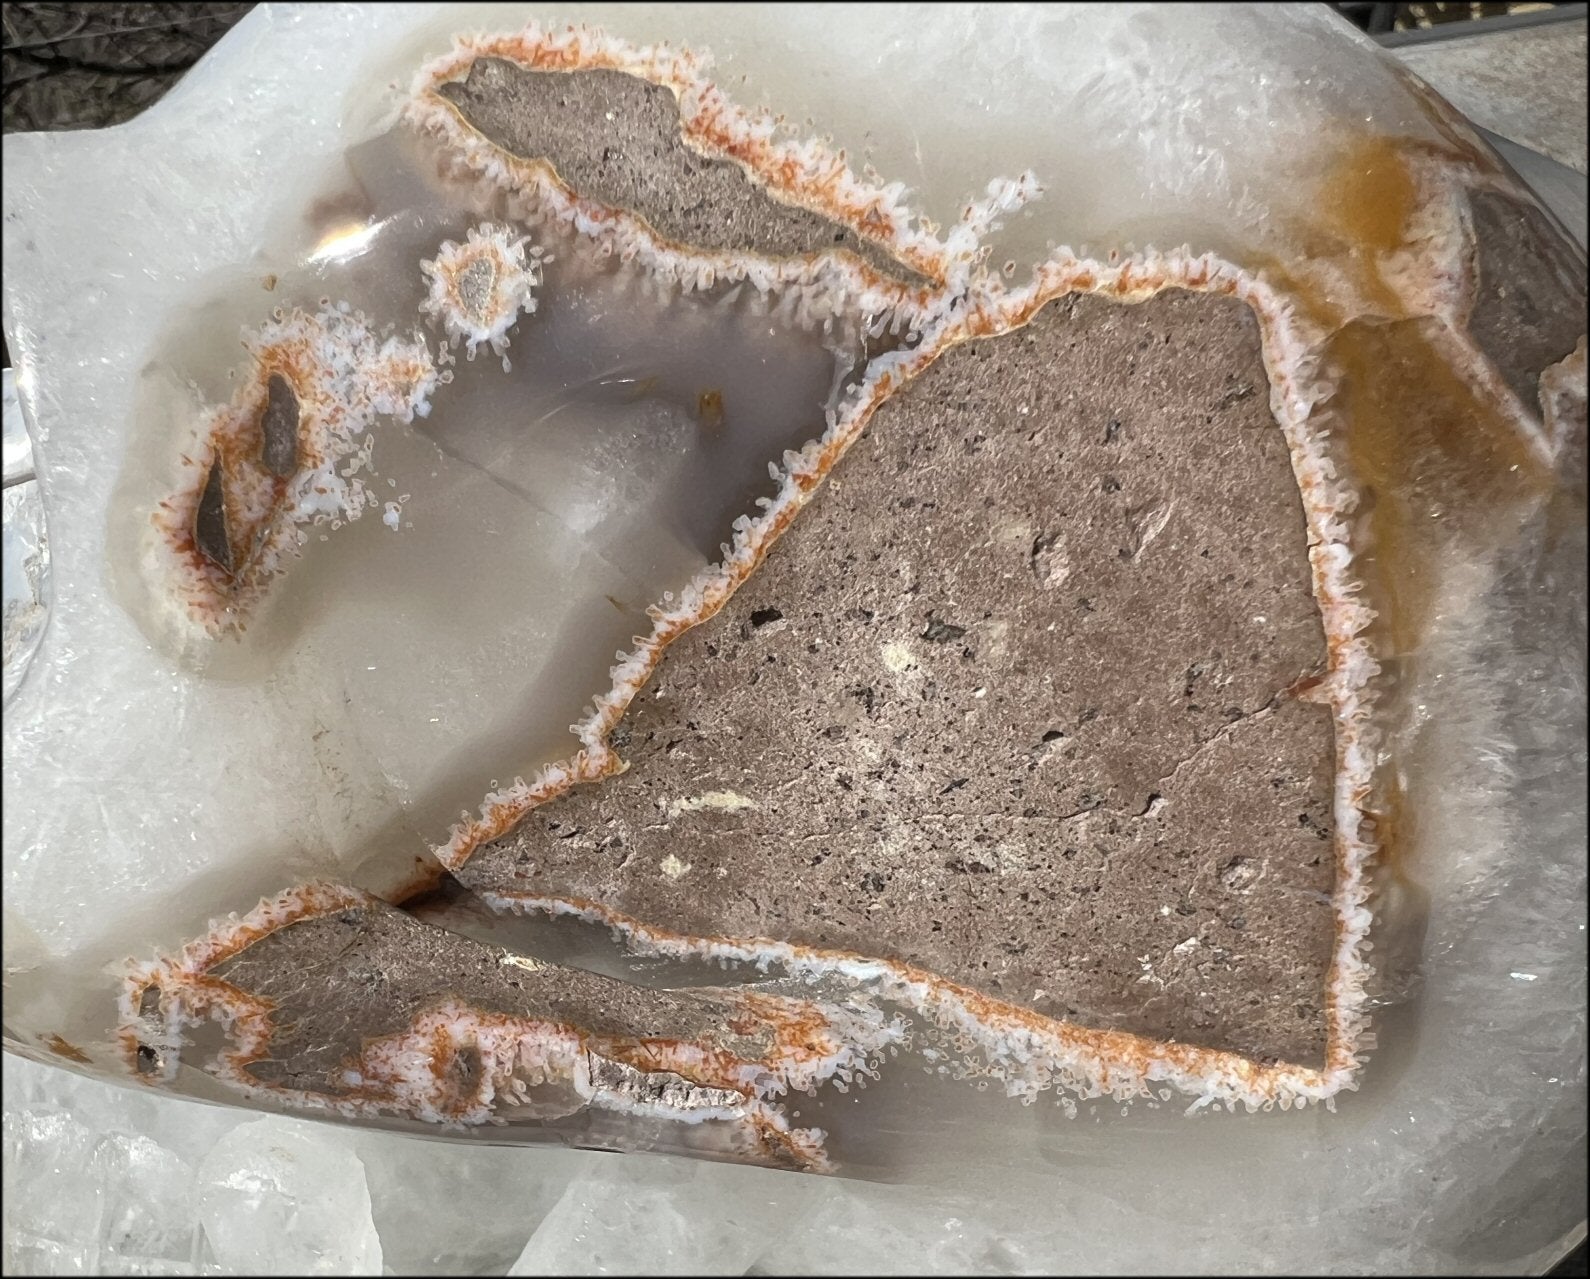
(209, 526)
(278, 428)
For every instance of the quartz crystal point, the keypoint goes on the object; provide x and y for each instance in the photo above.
(1111, 671)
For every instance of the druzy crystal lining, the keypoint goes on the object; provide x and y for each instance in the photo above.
(292, 448)
(463, 1066)
(478, 289)
(805, 174)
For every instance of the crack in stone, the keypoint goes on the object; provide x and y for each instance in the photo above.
(1224, 735)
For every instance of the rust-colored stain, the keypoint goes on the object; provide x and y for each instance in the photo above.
(1394, 823)
(1435, 457)
(1306, 688)
(1366, 207)
(62, 1048)
(709, 408)
(428, 877)
(1371, 193)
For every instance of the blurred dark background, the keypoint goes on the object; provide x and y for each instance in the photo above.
(86, 66)
(82, 66)
(1403, 21)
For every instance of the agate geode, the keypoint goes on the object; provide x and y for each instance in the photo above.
(1024, 665)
